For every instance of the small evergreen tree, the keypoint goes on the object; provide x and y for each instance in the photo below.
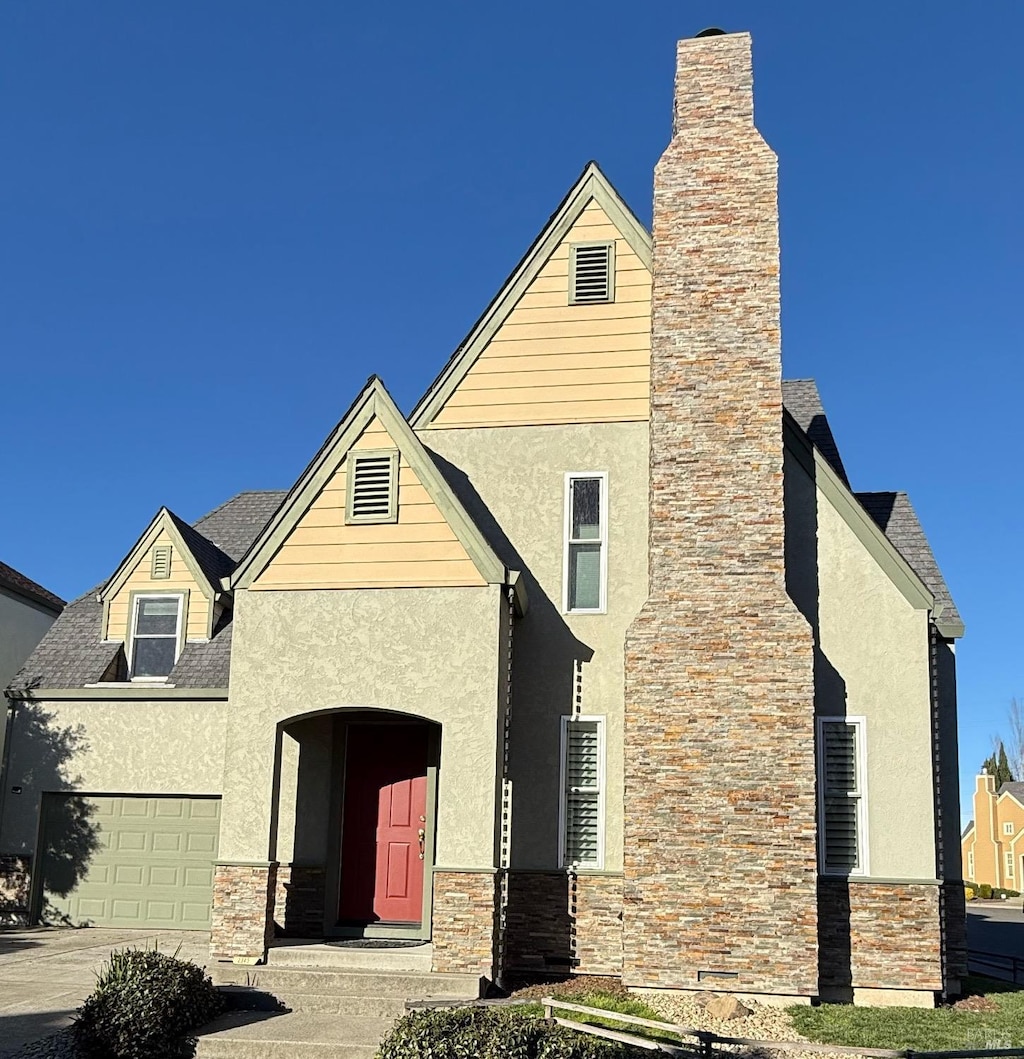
(997, 765)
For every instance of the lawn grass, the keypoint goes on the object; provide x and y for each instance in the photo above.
(924, 1029)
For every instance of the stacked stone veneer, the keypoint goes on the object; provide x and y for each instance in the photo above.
(879, 936)
(719, 851)
(300, 900)
(243, 909)
(464, 922)
(15, 888)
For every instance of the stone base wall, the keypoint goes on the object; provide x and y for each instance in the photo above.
(464, 918)
(599, 924)
(243, 909)
(956, 935)
(300, 901)
(539, 922)
(878, 936)
(15, 888)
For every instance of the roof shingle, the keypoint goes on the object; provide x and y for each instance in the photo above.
(15, 581)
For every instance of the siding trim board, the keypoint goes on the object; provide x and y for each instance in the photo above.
(373, 403)
(591, 187)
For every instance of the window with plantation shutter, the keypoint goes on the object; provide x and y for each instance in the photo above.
(161, 568)
(372, 486)
(843, 833)
(585, 573)
(582, 811)
(591, 273)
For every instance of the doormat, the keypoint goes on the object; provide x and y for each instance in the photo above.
(376, 943)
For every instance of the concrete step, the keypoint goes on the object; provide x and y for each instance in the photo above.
(316, 954)
(299, 1035)
(288, 982)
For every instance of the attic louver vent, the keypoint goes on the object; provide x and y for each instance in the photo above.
(592, 274)
(161, 569)
(373, 487)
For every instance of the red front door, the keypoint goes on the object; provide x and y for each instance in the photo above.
(384, 824)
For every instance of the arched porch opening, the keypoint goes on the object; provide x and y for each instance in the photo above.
(355, 824)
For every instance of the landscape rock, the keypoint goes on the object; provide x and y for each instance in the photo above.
(726, 1007)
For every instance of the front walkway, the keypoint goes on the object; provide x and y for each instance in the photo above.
(46, 973)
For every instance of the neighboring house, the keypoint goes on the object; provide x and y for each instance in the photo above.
(594, 662)
(992, 846)
(27, 610)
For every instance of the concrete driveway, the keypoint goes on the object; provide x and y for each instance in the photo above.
(996, 926)
(46, 973)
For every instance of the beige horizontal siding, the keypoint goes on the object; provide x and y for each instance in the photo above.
(419, 550)
(552, 362)
(139, 580)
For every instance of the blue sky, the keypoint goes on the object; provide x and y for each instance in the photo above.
(217, 219)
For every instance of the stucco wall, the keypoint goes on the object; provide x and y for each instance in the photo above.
(22, 626)
(872, 662)
(108, 747)
(517, 475)
(433, 653)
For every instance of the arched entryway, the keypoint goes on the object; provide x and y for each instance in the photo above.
(357, 824)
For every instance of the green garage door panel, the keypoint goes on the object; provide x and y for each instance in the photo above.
(129, 860)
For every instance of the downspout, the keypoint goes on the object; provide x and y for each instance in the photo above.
(505, 823)
(940, 830)
(5, 759)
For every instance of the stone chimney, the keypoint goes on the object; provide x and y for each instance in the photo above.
(720, 840)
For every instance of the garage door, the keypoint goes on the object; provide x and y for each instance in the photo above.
(129, 860)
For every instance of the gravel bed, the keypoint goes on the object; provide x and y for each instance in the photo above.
(765, 1023)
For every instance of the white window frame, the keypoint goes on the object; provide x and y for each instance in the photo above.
(1009, 865)
(600, 720)
(1008, 827)
(970, 865)
(863, 843)
(602, 540)
(136, 600)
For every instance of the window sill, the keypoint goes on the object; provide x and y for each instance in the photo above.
(135, 682)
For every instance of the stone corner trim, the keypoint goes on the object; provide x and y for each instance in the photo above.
(243, 909)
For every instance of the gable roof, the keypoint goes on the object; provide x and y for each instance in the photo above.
(204, 560)
(895, 516)
(72, 655)
(14, 581)
(591, 186)
(1014, 790)
(373, 402)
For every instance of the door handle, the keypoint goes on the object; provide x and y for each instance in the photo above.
(422, 835)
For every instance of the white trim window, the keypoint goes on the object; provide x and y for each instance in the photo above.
(585, 560)
(155, 636)
(842, 801)
(1008, 828)
(581, 813)
(970, 865)
(1009, 865)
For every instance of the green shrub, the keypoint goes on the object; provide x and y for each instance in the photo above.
(145, 1005)
(491, 1033)
(985, 891)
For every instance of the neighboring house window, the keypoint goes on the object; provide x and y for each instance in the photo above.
(591, 273)
(1009, 865)
(585, 571)
(1008, 829)
(970, 865)
(372, 486)
(156, 630)
(842, 804)
(581, 840)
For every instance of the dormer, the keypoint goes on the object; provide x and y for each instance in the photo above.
(163, 595)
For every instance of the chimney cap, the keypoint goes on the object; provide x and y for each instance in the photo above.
(711, 31)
